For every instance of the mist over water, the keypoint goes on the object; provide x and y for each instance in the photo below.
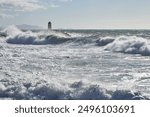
(74, 64)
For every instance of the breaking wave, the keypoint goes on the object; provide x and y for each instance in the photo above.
(50, 91)
(11, 31)
(122, 44)
(104, 41)
(126, 44)
(16, 36)
(130, 45)
(29, 38)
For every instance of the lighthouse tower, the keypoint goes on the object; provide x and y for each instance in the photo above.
(49, 25)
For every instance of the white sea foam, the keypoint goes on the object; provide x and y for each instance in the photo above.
(123, 44)
(74, 71)
(26, 38)
(11, 30)
(16, 36)
(77, 90)
(130, 45)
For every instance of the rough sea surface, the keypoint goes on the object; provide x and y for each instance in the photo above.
(74, 64)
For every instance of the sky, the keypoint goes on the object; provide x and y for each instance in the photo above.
(77, 14)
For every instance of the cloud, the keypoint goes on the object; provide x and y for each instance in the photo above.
(27, 5)
(54, 6)
(55, 3)
(9, 6)
(2, 16)
(63, 0)
(20, 5)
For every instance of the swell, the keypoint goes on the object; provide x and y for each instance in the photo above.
(2, 34)
(35, 40)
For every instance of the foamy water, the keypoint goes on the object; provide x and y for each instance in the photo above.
(79, 64)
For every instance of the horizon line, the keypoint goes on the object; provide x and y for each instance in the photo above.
(43, 28)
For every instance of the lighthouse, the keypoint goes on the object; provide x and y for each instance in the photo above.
(49, 25)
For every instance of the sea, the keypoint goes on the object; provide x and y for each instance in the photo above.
(74, 64)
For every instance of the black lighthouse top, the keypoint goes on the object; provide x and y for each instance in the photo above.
(49, 25)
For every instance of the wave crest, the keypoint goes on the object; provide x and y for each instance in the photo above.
(11, 31)
(122, 44)
(104, 41)
(35, 40)
(41, 38)
(130, 45)
(22, 39)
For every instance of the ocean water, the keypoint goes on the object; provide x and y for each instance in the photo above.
(74, 64)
